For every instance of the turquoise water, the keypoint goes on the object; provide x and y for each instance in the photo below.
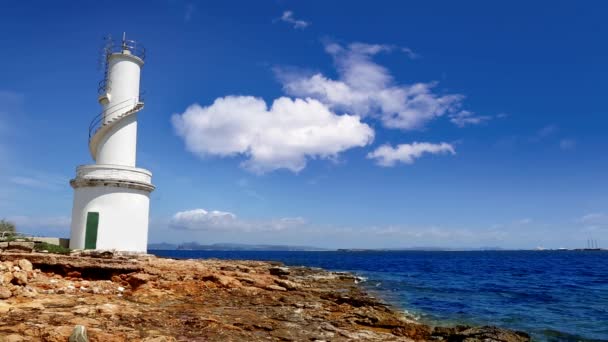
(553, 295)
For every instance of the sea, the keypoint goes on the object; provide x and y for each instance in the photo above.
(552, 295)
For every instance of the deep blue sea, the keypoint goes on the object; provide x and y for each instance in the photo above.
(553, 295)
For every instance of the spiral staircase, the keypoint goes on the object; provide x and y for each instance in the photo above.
(100, 125)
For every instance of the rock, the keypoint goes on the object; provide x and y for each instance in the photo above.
(138, 279)
(19, 278)
(6, 278)
(25, 265)
(12, 338)
(245, 280)
(81, 310)
(26, 291)
(159, 339)
(355, 299)
(279, 271)
(107, 309)
(250, 290)
(416, 332)
(290, 285)
(223, 280)
(74, 274)
(55, 333)
(5, 293)
(33, 306)
(229, 268)
(275, 288)
(202, 300)
(5, 307)
(475, 334)
(22, 246)
(79, 334)
(3, 245)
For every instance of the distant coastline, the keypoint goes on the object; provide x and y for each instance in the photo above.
(194, 246)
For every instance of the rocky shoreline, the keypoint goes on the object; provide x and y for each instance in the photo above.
(43, 297)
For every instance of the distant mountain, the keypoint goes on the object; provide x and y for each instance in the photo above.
(195, 246)
(162, 246)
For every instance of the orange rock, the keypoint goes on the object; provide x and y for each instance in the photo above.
(19, 278)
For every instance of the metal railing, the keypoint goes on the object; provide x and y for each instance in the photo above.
(134, 48)
(104, 86)
(124, 106)
(109, 48)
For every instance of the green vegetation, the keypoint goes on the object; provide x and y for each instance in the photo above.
(7, 226)
(7, 230)
(43, 246)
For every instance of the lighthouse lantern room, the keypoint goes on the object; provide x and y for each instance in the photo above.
(112, 196)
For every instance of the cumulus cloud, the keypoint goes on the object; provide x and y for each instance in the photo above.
(324, 119)
(288, 17)
(368, 89)
(285, 135)
(221, 221)
(387, 155)
(465, 117)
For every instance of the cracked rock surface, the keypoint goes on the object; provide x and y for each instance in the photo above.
(145, 298)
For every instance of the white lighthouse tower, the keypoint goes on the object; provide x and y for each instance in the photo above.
(112, 196)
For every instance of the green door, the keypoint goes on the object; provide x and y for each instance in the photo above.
(90, 239)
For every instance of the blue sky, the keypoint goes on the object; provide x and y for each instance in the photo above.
(390, 124)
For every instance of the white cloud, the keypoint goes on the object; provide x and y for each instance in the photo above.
(285, 135)
(410, 53)
(368, 89)
(221, 221)
(297, 23)
(465, 117)
(387, 155)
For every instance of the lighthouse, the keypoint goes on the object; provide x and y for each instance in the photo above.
(112, 196)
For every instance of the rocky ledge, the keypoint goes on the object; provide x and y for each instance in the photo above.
(46, 297)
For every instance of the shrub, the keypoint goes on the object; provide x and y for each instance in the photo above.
(43, 246)
(7, 226)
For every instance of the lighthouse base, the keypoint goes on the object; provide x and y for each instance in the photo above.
(111, 208)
